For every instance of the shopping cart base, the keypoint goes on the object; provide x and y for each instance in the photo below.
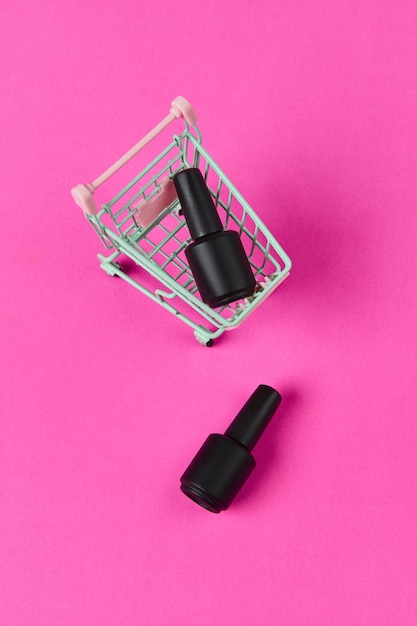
(113, 268)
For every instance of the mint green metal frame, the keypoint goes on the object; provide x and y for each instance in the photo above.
(159, 248)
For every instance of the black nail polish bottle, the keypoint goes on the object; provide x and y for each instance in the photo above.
(216, 257)
(224, 462)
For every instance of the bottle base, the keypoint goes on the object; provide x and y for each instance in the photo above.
(231, 297)
(200, 497)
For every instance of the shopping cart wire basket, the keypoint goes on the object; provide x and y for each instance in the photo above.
(143, 223)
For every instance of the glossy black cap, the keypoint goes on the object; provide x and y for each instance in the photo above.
(224, 462)
(197, 204)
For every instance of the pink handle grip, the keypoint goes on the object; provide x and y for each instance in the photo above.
(83, 194)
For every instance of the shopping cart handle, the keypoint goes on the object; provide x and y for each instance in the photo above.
(83, 194)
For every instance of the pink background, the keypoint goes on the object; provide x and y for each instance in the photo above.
(310, 108)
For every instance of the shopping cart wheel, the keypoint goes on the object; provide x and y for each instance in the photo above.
(107, 267)
(203, 339)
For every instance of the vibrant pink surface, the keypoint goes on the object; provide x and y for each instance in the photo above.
(310, 108)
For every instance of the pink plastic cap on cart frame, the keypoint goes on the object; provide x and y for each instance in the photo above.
(180, 107)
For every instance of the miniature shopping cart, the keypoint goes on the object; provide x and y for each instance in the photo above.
(146, 234)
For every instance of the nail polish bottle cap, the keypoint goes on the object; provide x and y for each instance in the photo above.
(197, 204)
